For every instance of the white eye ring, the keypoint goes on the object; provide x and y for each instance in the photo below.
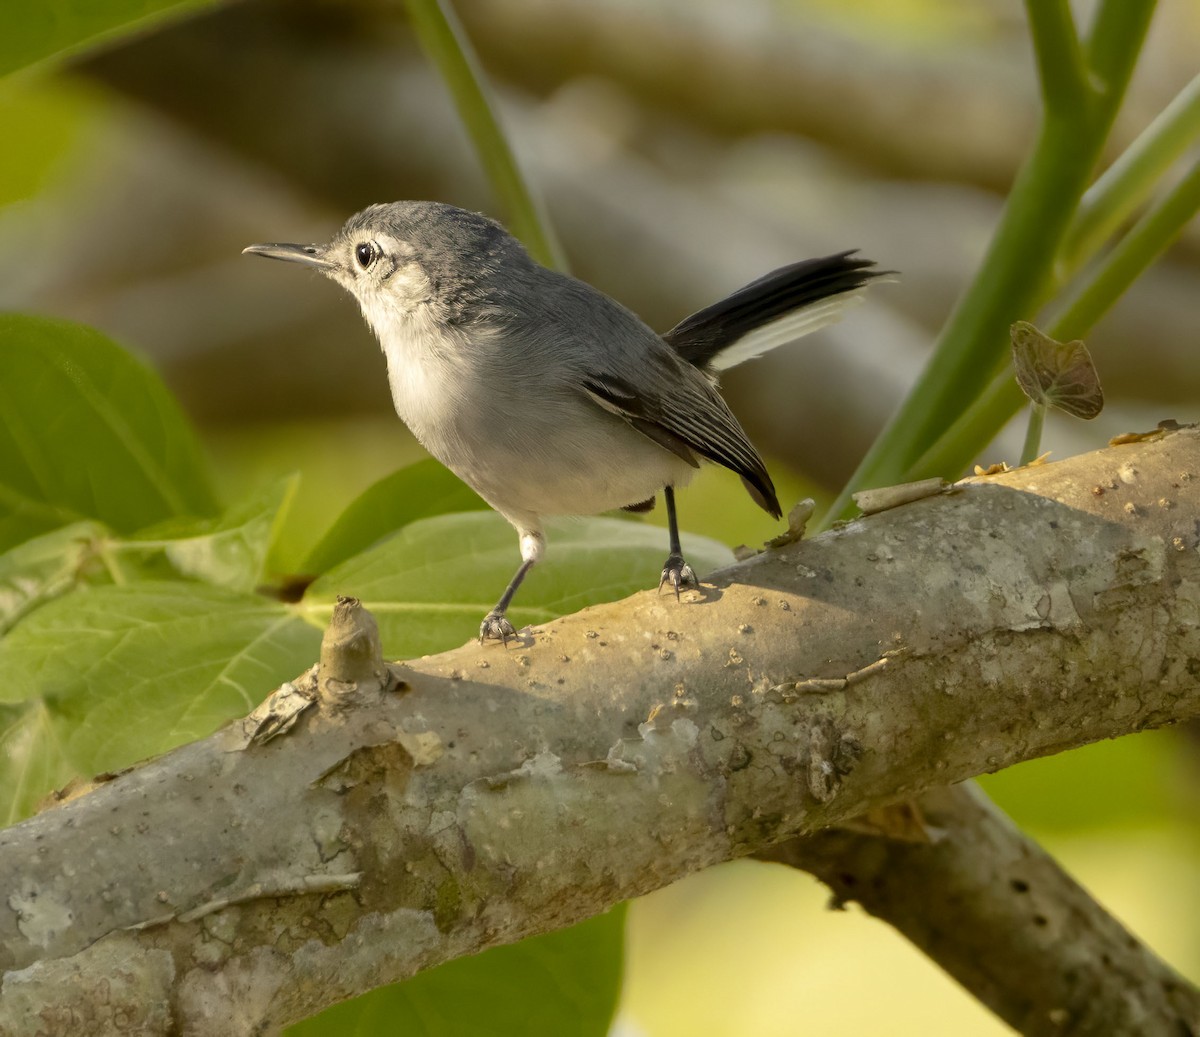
(365, 253)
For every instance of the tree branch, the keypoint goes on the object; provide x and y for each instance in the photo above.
(485, 794)
(999, 914)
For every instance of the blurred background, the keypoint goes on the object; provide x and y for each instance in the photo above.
(683, 147)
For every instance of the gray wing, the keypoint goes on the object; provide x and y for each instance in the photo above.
(560, 322)
(680, 409)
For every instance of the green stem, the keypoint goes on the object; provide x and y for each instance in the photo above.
(1018, 266)
(1113, 44)
(447, 46)
(1011, 277)
(1130, 180)
(1059, 56)
(977, 426)
(1144, 243)
(106, 552)
(1033, 434)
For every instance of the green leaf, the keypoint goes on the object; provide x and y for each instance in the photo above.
(430, 584)
(34, 30)
(31, 760)
(561, 984)
(45, 567)
(1056, 374)
(420, 490)
(229, 551)
(87, 431)
(125, 672)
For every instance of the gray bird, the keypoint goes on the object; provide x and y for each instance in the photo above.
(544, 395)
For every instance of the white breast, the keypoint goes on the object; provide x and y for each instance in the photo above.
(422, 372)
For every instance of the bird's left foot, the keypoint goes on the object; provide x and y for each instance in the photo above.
(678, 574)
(495, 627)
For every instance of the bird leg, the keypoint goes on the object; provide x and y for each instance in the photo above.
(675, 570)
(495, 625)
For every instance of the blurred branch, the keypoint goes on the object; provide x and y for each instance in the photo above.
(950, 113)
(664, 232)
(485, 794)
(661, 245)
(941, 115)
(994, 910)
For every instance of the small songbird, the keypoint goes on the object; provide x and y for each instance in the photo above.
(540, 392)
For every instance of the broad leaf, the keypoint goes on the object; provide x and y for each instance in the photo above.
(125, 672)
(430, 584)
(562, 984)
(35, 30)
(1056, 374)
(229, 551)
(87, 431)
(46, 566)
(420, 490)
(31, 759)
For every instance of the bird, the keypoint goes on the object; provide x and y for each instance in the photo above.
(542, 393)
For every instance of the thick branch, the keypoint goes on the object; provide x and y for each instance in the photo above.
(997, 913)
(234, 885)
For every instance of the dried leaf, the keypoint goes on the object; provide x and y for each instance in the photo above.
(901, 821)
(797, 519)
(999, 468)
(1165, 426)
(1056, 374)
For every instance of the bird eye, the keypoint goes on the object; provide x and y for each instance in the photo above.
(366, 253)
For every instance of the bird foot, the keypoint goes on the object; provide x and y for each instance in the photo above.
(678, 573)
(495, 627)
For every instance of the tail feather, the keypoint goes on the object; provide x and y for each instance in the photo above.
(771, 311)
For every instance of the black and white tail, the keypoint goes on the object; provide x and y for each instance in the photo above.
(778, 308)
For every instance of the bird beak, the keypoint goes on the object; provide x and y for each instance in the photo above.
(311, 255)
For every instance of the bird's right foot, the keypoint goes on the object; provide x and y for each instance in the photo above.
(496, 627)
(678, 574)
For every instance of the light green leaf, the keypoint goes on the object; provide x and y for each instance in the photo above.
(35, 30)
(562, 984)
(127, 672)
(46, 566)
(87, 431)
(420, 490)
(430, 584)
(229, 551)
(31, 760)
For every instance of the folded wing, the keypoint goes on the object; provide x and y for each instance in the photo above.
(682, 411)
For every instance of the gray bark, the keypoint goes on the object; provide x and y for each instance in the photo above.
(410, 815)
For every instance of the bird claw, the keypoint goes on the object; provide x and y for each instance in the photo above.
(495, 627)
(678, 573)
